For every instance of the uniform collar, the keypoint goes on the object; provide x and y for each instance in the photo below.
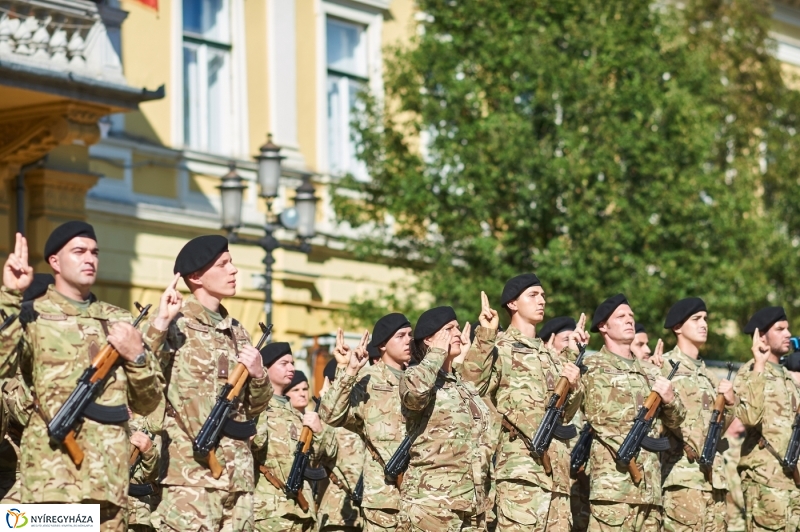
(94, 310)
(193, 309)
(695, 366)
(527, 341)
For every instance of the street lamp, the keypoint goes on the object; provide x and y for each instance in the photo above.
(299, 218)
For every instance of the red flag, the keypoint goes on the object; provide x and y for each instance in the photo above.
(150, 3)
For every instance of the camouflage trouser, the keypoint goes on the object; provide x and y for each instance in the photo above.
(140, 528)
(203, 510)
(525, 506)
(624, 517)
(688, 510)
(113, 518)
(416, 517)
(579, 503)
(285, 524)
(770, 509)
(379, 520)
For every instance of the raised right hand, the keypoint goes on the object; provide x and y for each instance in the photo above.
(17, 274)
(341, 351)
(358, 356)
(169, 306)
(657, 358)
(488, 317)
(760, 351)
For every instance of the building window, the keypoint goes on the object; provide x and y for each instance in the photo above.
(347, 75)
(207, 98)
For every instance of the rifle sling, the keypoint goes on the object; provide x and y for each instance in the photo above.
(279, 485)
(336, 481)
(374, 452)
(514, 433)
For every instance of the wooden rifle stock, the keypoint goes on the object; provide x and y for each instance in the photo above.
(278, 484)
(237, 379)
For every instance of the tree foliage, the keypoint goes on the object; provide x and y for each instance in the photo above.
(609, 146)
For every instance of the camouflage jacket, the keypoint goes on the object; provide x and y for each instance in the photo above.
(767, 405)
(17, 409)
(735, 497)
(369, 405)
(615, 390)
(334, 506)
(197, 359)
(274, 446)
(520, 380)
(146, 470)
(448, 465)
(698, 390)
(54, 350)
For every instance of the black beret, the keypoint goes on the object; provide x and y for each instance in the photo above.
(299, 377)
(199, 252)
(64, 233)
(764, 319)
(432, 320)
(516, 285)
(387, 326)
(38, 287)
(680, 311)
(330, 370)
(373, 352)
(606, 309)
(555, 326)
(270, 353)
(639, 328)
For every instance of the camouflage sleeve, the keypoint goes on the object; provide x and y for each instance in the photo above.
(673, 414)
(154, 338)
(417, 384)
(573, 404)
(259, 392)
(479, 366)
(18, 399)
(261, 438)
(749, 387)
(325, 444)
(341, 402)
(147, 471)
(145, 385)
(10, 302)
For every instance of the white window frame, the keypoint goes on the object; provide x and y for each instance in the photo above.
(367, 14)
(236, 130)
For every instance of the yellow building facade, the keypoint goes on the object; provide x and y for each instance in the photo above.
(171, 96)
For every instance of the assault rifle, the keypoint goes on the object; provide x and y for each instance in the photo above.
(7, 320)
(358, 493)
(580, 453)
(80, 403)
(138, 490)
(554, 414)
(302, 455)
(396, 466)
(638, 438)
(218, 422)
(789, 461)
(706, 458)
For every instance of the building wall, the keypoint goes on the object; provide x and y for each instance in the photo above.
(155, 193)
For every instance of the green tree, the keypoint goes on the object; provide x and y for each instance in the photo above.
(606, 145)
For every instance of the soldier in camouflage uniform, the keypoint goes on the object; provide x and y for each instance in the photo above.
(274, 446)
(144, 495)
(335, 508)
(735, 499)
(58, 335)
(692, 500)
(17, 408)
(768, 400)
(616, 386)
(366, 401)
(444, 486)
(199, 345)
(555, 334)
(520, 380)
(639, 346)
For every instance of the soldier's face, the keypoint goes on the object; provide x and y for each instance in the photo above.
(620, 325)
(76, 263)
(561, 341)
(778, 338)
(281, 372)
(398, 347)
(529, 305)
(298, 396)
(639, 346)
(695, 328)
(454, 346)
(219, 279)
